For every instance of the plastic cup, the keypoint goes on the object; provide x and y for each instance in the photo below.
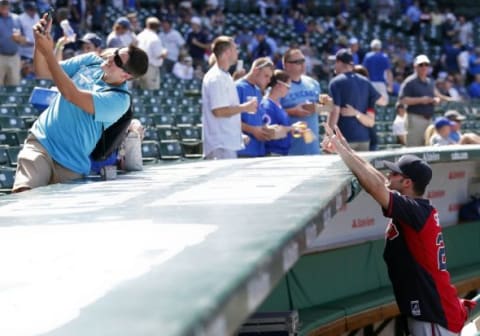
(251, 98)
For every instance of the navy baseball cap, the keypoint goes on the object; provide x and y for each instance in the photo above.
(412, 167)
(92, 38)
(344, 56)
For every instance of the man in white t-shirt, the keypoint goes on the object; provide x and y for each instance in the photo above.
(173, 42)
(222, 135)
(398, 127)
(149, 41)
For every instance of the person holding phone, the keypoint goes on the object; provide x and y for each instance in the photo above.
(90, 98)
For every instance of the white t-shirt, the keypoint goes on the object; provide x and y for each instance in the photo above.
(150, 42)
(183, 71)
(398, 127)
(172, 41)
(218, 90)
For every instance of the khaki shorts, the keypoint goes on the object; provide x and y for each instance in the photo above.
(35, 168)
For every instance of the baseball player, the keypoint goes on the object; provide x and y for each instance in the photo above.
(415, 249)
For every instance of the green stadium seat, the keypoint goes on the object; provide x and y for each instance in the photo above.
(26, 110)
(8, 110)
(12, 152)
(163, 120)
(4, 159)
(11, 138)
(167, 134)
(7, 177)
(150, 151)
(190, 134)
(151, 134)
(8, 122)
(185, 119)
(170, 150)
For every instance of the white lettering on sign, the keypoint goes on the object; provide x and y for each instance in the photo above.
(430, 157)
(459, 156)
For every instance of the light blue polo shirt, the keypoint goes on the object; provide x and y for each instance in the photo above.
(68, 133)
(303, 91)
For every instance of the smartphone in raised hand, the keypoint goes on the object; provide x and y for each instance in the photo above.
(48, 18)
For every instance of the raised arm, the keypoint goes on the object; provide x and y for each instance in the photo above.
(370, 178)
(51, 69)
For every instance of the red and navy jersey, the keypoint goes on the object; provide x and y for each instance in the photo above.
(417, 265)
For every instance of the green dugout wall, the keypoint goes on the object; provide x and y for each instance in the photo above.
(181, 249)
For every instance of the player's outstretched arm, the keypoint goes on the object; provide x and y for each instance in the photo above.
(370, 178)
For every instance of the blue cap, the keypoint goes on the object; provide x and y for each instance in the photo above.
(123, 21)
(92, 38)
(261, 31)
(442, 121)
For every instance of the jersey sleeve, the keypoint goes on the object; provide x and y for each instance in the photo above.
(407, 210)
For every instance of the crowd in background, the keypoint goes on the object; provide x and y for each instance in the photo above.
(177, 37)
(187, 28)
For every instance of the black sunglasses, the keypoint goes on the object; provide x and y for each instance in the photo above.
(424, 65)
(298, 61)
(118, 61)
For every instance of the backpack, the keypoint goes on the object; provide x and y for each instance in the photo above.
(113, 136)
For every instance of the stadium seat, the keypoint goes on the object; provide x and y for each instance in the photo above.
(7, 177)
(146, 120)
(12, 137)
(151, 134)
(191, 141)
(170, 150)
(184, 119)
(26, 110)
(190, 134)
(4, 159)
(163, 120)
(11, 122)
(8, 110)
(167, 134)
(150, 151)
(152, 109)
(12, 152)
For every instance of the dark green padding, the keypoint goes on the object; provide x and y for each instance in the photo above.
(330, 285)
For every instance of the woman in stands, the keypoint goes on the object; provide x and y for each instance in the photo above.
(276, 115)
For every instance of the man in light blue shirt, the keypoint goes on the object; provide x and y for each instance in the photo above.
(61, 140)
(304, 91)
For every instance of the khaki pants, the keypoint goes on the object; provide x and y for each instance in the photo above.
(416, 126)
(360, 146)
(381, 87)
(35, 168)
(10, 70)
